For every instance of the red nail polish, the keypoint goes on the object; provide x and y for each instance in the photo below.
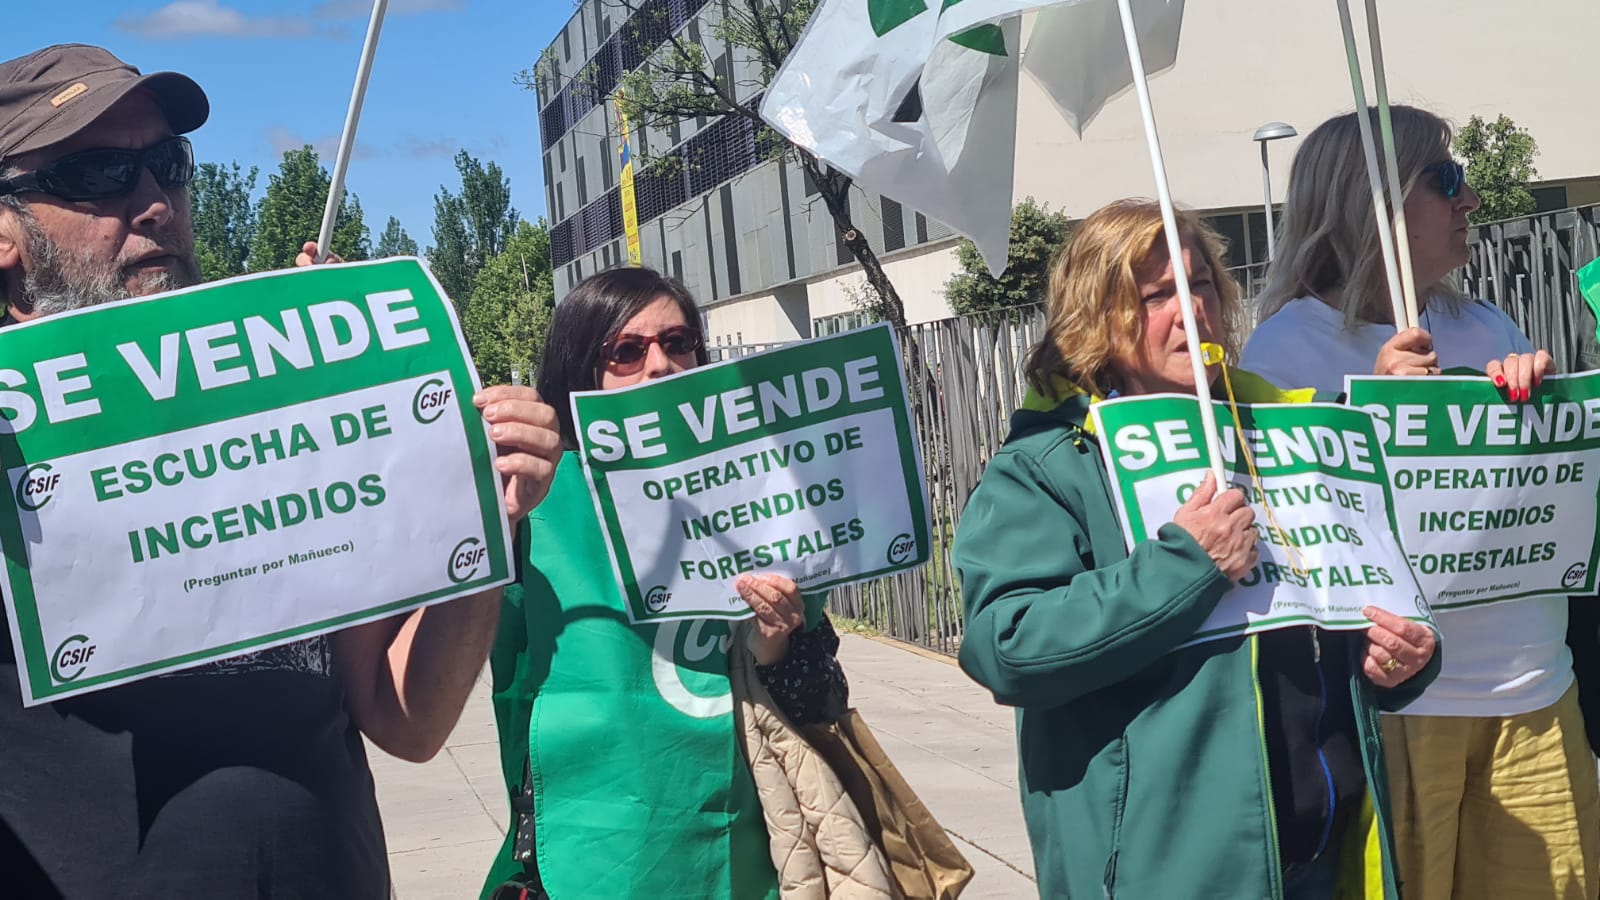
(1499, 381)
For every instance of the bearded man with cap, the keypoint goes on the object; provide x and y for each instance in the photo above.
(246, 777)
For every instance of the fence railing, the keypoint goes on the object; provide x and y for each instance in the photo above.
(1525, 266)
(967, 379)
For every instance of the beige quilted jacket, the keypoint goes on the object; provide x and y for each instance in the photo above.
(819, 842)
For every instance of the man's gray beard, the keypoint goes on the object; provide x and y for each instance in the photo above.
(60, 280)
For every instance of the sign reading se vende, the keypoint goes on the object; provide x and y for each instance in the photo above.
(204, 473)
(800, 461)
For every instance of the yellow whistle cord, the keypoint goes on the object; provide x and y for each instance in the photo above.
(1212, 355)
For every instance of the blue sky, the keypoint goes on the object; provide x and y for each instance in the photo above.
(279, 74)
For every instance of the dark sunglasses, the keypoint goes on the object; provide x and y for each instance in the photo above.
(631, 349)
(106, 172)
(1451, 176)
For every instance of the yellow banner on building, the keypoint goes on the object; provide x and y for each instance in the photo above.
(630, 209)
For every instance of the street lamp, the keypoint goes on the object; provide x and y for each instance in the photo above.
(1271, 131)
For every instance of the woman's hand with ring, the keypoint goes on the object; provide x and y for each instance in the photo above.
(1397, 648)
(1520, 374)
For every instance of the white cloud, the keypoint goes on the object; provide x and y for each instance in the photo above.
(207, 18)
(418, 147)
(344, 9)
(282, 140)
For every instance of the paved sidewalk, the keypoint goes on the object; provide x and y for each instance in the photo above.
(445, 820)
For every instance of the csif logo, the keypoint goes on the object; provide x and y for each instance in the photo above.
(430, 401)
(1574, 575)
(465, 559)
(657, 598)
(689, 665)
(901, 548)
(36, 486)
(73, 654)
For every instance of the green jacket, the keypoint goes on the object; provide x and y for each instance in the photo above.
(1143, 766)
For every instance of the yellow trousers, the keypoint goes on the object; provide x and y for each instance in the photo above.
(1498, 808)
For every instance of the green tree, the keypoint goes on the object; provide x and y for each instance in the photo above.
(1499, 157)
(471, 227)
(224, 218)
(291, 214)
(1036, 234)
(508, 314)
(394, 242)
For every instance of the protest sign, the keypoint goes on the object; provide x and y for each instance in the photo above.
(226, 468)
(799, 461)
(1327, 546)
(1495, 500)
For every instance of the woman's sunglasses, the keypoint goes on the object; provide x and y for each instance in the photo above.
(107, 172)
(631, 349)
(1451, 176)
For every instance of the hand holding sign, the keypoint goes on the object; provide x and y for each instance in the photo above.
(1223, 525)
(528, 440)
(1409, 352)
(1397, 648)
(1521, 373)
(779, 611)
(308, 256)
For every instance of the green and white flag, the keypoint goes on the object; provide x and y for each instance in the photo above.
(800, 461)
(213, 471)
(918, 101)
(1495, 500)
(1327, 534)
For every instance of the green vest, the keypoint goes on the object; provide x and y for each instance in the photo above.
(640, 788)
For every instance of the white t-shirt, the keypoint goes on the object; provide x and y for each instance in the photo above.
(1499, 660)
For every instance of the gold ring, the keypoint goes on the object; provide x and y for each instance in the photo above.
(1391, 665)
(1511, 354)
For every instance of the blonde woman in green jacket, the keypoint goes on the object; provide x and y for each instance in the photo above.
(1248, 767)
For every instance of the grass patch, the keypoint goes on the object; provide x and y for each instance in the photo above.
(847, 625)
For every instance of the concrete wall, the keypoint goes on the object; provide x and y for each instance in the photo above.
(786, 313)
(1243, 63)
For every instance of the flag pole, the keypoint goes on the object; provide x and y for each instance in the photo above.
(1363, 121)
(347, 139)
(1169, 220)
(1402, 238)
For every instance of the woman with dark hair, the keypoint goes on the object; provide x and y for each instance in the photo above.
(618, 743)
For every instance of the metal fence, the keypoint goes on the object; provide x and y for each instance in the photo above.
(1526, 267)
(965, 377)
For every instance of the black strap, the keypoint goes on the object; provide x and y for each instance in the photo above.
(523, 847)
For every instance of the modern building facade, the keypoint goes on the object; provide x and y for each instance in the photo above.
(758, 249)
(730, 224)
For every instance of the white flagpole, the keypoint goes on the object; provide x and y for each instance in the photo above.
(1385, 238)
(1402, 238)
(347, 140)
(1169, 219)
